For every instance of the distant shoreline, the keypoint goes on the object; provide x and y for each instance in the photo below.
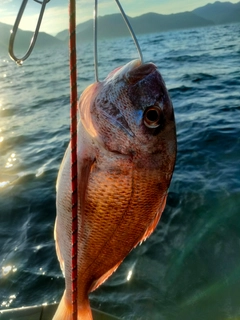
(112, 26)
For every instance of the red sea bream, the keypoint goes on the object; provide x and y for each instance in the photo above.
(126, 156)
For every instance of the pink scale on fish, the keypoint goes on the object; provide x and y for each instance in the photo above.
(126, 157)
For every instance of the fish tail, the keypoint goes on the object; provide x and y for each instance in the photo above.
(64, 310)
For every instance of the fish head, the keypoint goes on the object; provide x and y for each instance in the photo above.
(130, 112)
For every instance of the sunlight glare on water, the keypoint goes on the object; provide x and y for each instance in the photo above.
(6, 304)
(7, 269)
(129, 275)
(10, 161)
(4, 183)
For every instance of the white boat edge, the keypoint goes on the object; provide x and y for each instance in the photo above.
(44, 312)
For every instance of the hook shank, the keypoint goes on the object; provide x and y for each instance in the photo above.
(130, 30)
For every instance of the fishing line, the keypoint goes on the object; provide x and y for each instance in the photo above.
(73, 130)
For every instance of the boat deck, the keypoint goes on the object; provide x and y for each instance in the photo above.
(44, 313)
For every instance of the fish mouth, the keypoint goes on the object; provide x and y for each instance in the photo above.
(132, 72)
(139, 72)
(121, 72)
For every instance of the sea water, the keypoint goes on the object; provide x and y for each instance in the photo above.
(189, 269)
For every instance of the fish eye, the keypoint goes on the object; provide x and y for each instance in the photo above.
(152, 117)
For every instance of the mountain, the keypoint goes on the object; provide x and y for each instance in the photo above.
(23, 38)
(220, 12)
(111, 26)
(63, 35)
(152, 22)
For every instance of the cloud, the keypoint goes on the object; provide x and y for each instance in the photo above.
(55, 19)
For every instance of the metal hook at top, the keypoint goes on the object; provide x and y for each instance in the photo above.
(15, 29)
(95, 17)
(130, 30)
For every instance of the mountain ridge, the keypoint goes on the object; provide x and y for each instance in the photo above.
(220, 12)
(112, 25)
(227, 12)
(23, 38)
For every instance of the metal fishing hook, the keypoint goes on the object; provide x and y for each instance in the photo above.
(130, 30)
(95, 13)
(15, 29)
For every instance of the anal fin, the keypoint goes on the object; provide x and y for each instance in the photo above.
(104, 277)
(155, 221)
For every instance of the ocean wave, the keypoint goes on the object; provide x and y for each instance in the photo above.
(191, 260)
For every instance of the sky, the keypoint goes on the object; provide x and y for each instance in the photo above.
(55, 18)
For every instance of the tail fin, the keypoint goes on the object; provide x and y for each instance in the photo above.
(64, 310)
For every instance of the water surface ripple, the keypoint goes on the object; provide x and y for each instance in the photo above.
(190, 267)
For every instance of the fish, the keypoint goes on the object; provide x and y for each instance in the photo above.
(126, 153)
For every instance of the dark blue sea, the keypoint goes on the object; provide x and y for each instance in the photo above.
(189, 269)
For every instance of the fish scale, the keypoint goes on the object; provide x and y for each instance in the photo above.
(107, 221)
(125, 164)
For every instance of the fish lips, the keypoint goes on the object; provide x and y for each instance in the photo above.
(146, 87)
(132, 72)
(139, 72)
